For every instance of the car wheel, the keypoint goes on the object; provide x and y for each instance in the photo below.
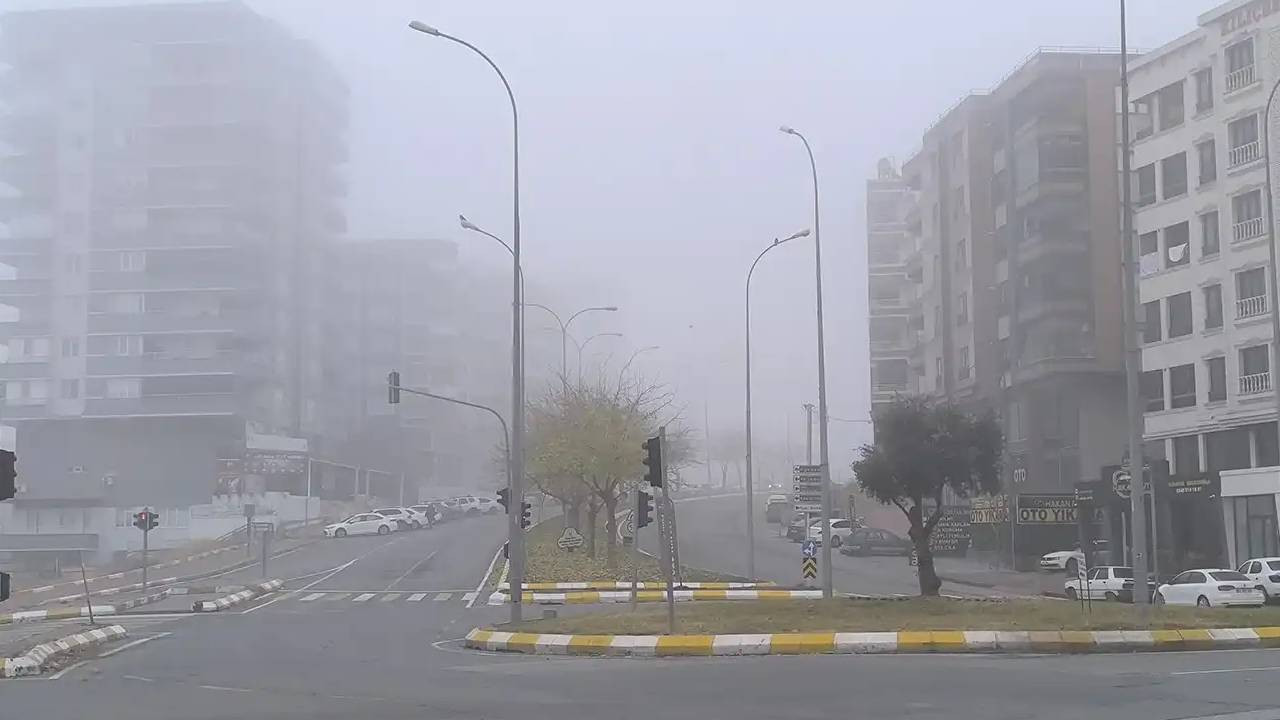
(1071, 593)
(384, 529)
(1071, 566)
(836, 541)
(1159, 599)
(1111, 597)
(340, 533)
(1203, 602)
(1266, 597)
(417, 525)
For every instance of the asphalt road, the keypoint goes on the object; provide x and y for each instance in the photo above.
(333, 656)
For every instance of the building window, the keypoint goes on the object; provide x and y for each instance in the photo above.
(1146, 185)
(964, 363)
(1173, 175)
(1186, 455)
(70, 389)
(1227, 449)
(133, 261)
(937, 321)
(1212, 307)
(961, 253)
(70, 347)
(962, 315)
(1177, 244)
(71, 263)
(1254, 526)
(1207, 155)
(1152, 385)
(937, 369)
(1149, 253)
(1240, 65)
(1266, 449)
(1246, 220)
(1217, 371)
(1251, 293)
(1242, 136)
(1182, 386)
(1255, 371)
(1179, 309)
(124, 387)
(1151, 325)
(1170, 105)
(128, 345)
(1210, 243)
(1204, 90)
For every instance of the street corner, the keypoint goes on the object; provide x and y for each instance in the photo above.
(858, 643)
(238, 598)
(35, 660)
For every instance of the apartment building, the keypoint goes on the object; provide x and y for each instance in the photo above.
(173, 180)
(1200, 220)
(891, 292)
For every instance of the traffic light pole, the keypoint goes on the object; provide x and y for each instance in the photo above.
(146, 530)
(668, 510)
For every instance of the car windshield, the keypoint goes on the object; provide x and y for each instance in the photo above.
(1227, 575)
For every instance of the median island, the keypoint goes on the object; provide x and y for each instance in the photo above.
(547, 562)
(845, 615)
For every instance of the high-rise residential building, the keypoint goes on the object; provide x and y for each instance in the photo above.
(1200, 225)
(172, 182)
(891, 293)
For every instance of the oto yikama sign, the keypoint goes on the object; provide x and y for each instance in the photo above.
(1057, 509)
(951, 535)
(989, 510)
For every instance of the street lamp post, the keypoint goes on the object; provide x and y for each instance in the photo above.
(515, 542)
(823, 457)
(583, 346)
(1271, 247)
(751, 540)
(564, 331)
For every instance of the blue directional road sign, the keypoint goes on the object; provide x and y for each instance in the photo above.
(809, 548)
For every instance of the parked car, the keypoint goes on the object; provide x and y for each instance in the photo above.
(839, 528)
(469, 505)
(796, 531)
(1265, 573)
(404, 519)
(430, 512)
(1105, 582)
(361, 524)
(775, 508)
(874, 541)
(1070, 560)
(488, 505)
(1210, 587)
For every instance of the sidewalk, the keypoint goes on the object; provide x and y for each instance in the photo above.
(960, 571)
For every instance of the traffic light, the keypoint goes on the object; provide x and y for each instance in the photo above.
(4, 586)
(146, 520)
(393, 387)
(8, 475)
(504, 497)
(644, 509)
(653, 459)
(526, 515)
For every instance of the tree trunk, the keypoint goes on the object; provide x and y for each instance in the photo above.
(611, 531)
(724, 475)
(929, 582)
(737, 467)
(592, 511)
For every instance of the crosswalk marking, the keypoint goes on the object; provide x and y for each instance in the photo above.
(468, 597)
(389, 597)
(417, 597)
(362, 597)
(312, 596)
(443, 596)
(337, 596)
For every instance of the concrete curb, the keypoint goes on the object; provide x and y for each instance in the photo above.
(122, 573)
(234, 599)
(626, 585)
(25, 616)
(206, 589)
(586, 597)
(32, 663)
(903, 641)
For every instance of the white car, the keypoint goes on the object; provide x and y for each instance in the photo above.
(1265, 574)
(1212, 587)
(488, 505)
(840, 529)
(403, 517)
(361, 524)
(1106, 582)
(1068, 560)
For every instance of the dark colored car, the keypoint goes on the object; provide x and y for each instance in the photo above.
(874, 541)
(776, 509)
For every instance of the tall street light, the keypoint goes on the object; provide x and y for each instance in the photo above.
(751, 538)
(564, 330)
(515, 542)
(584, 344)
(823, 457)
(1275, 271)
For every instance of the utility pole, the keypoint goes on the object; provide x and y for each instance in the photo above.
(1133, 351)
(808, 433)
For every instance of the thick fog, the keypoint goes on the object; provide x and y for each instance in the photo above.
(653, 171)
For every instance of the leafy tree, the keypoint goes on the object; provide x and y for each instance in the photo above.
(921, 448)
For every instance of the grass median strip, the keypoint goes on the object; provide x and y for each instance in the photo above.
(546, 562)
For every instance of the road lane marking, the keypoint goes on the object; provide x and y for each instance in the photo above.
(229, 689)
(137, 677)
(470, 597)
(483, 578)
(1226, 670)
(389, 597)
(313, 583)
(443, 596)
(134, 643)
(67, 669)
(409, 572)
(312, 596)
(417, 597)
(337, 596)
(362, 597)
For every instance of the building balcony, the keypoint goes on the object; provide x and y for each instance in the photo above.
(891, 308)
(1244, 154)
(23, 368)
(159, 364)
(157, 322)
(1251, 307)
(1240, 79)
(169, 281)
(1248, 229)
(29, 286)
(25, 410)
(1256, 383)
(162, 406)
(1034, 370)
(898, 347)
(1034, 309)
(1054, 183)
(1038, 245)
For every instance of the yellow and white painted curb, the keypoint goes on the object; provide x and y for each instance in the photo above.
(902, 641)
(234, 599)
(589, 597)
(24, 616)
(33, 661)
(626, 585)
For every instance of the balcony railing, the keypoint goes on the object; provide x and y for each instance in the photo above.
(1256, 383)
(1251, 306)
(1246, 229)
(1241, 154)
(1237, 79)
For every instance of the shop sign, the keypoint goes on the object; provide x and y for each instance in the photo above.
(989, 510)
(1056, 509)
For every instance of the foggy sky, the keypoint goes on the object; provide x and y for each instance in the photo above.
(653, 171)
